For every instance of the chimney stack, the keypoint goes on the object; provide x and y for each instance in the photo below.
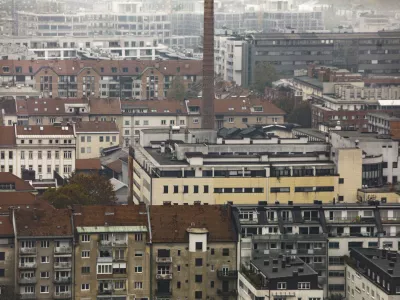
(207, 108)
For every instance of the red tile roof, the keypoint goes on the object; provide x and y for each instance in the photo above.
(43, 222)
(102, 67)
(6, 227)
(22, 200)
(20, 184)
(164, 107)
(88, 164)
(96, 126)
(116, 166)
(118, 215)
(7, 136)
(44, 130)
(109, 106)
(47, 106)
(170, 222)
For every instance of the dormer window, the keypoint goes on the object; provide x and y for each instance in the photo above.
(258, 108)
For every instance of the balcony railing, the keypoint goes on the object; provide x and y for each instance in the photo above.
(62, 250)
(104, 259)
(227, 274)
(164, 260)
(62, 280)
(27, 265)
(25, 280)
(62, 265)
(294, 236)
(28, 296)
(63, 295)
(390, 219)
(226, 293)
(27, 250)
(118, 243)
(164, 276)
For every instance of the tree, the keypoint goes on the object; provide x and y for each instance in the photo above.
(264, 75)
(301, 115)
(176, 90)
(83, 189)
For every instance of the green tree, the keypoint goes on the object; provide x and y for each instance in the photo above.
(83, 189)
(176, 90)
(264, 75)
(301, 115)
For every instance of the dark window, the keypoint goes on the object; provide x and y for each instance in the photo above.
(125, 70)
(395, 164)
(85, 270)
(206, 189)
(198, 294)
(336, 287)
(175, 189)
(384, 164)
(179, 252)
(333, 245)
(185, 189)
(355, 245)
(199, 262)
(341, 180)
(199, 246)
(372, 244)
(225, 252)
(198, 278)
(2, 255)
(212, 284)
(394, 179)
(1, 272)
(195, 189)
(101, 69)
(212, 251)
(178, 268)
(178, 285)
(165, 189)
(340, 198)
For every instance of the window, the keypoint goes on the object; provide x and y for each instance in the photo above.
(138, 269)
(165, 189)
(198, 278)
(138, 237)
(199, 246)
(85, 270)
(85, 254)
(44, 289)
(230, 120)
(45, 259)
(22, 154)
(178, 268)
(397, 289)
(138, 285)
(45, 244)
(212, 251)
(85, 238)
(85, 287)
(82, 149)
(336, 273)
(30, 154)
(104, 268)
(281, 286)
(178, 285)
(244, 120)
(68, 154)
(225, 252)
(196, 189)
(2, 256)
(303, 285)
(198, 262)
(48, 169)
(175, 189)
(57, 154)
(212, 284)
(198, 294)
(387, 244)
(44, 274)
(101, 139)
(341, 180)
(163, 122)
(48, 154)
(179, 253)
(185, 189)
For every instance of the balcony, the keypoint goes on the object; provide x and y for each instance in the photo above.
(164, 276)
(164, 260)
(27, 251)
(226, 293)
(62, 265)
(107, 259)
(63, 295)
(119, 258)
(28, 296)
(163, 294)
(62, 280)
(295, 236)
(27, 265)
(31, 280)
(63, 250)
(227, 274)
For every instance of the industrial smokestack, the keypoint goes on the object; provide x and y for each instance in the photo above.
(208, 118)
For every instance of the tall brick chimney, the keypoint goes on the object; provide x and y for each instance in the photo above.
(207, 109)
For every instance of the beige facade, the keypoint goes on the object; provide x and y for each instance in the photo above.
(91, 144)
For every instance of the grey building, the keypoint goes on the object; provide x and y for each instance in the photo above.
(376, 53)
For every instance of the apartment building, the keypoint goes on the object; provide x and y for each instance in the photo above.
(44, 254)
(42, 149)
(280, 277)
(101, 47)
(293, 21)
(111, 256)
(94, 136)
(133, 79)
(7, 258)
(384, 123)
(198, 260)
(372, 273)
(319, 235)
(374, 53)
(189, 167)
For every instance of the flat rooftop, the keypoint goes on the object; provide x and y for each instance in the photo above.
(285, 270)
(380, 258)
(384, 116)
(311, 132)
(309, 80)
(362, 136)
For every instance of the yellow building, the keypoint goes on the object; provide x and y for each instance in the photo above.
(182, 173)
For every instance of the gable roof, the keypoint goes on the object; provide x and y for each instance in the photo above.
(44, 130)
(43, 222)
(88, 164)
(96, 126)
(7, 136)
(47, 106)
(20, 184)
(115, 165)
(105, 106)
(6, 227)
(170, 222)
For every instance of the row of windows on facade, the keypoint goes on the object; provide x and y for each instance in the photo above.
(102, 139)
(385, 244)
(67, 154)
(50, 142)
(375, 278)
